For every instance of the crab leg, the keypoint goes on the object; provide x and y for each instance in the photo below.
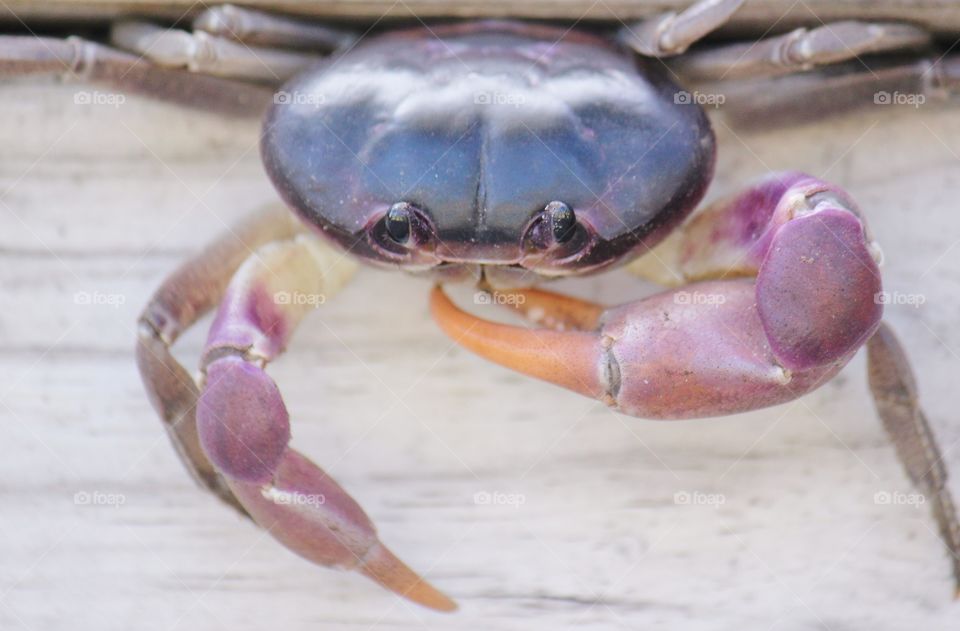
(265, 29)
(672, 33)
(184, 297)
(208, 54)
(801, 302)
(805, 97)
(95, 63)
(894, 392)
(244, 426)
(801, 49)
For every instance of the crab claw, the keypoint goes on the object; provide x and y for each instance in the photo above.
(244, 429)
(307, 511)
(704, 349)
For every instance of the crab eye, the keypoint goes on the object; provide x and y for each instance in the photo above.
(563, 221)
(397, 222)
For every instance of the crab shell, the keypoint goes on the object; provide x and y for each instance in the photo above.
(445, 121)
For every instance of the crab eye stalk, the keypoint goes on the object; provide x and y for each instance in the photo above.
(563, 221)
(397, 222)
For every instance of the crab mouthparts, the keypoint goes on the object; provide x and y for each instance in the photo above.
(492, 275)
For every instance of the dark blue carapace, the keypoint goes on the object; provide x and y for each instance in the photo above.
(504, 145)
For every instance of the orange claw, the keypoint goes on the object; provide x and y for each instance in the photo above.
(387, 570)
(572, 359)
(667, 356)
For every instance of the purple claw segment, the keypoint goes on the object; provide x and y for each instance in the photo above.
(817, 289)
(698, 351)
(815, 263)
(244, 426)
(731, 237)
(307, 511)
(249, 318)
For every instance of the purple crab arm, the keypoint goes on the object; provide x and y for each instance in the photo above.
(782, 290)
(244, 426)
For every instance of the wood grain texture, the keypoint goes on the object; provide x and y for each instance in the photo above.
(757, 16)
(102, 529)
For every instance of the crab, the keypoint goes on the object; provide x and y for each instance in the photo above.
(505, 154)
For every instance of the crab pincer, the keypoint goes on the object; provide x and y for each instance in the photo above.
(801, 300)
(244, 426)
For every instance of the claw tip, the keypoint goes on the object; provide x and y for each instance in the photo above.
(385, 568)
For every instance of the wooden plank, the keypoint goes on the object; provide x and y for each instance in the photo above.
(942, 16)
(104, 199)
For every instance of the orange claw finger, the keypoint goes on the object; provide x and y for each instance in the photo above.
(573, 359)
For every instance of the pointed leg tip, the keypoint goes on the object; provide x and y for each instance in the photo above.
(385, 568)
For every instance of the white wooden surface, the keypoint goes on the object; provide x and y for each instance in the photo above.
(100, 201)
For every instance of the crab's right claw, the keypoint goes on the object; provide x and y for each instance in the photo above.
(243, 425)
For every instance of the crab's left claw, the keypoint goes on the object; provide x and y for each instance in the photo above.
(802, 301)
(659, 358)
